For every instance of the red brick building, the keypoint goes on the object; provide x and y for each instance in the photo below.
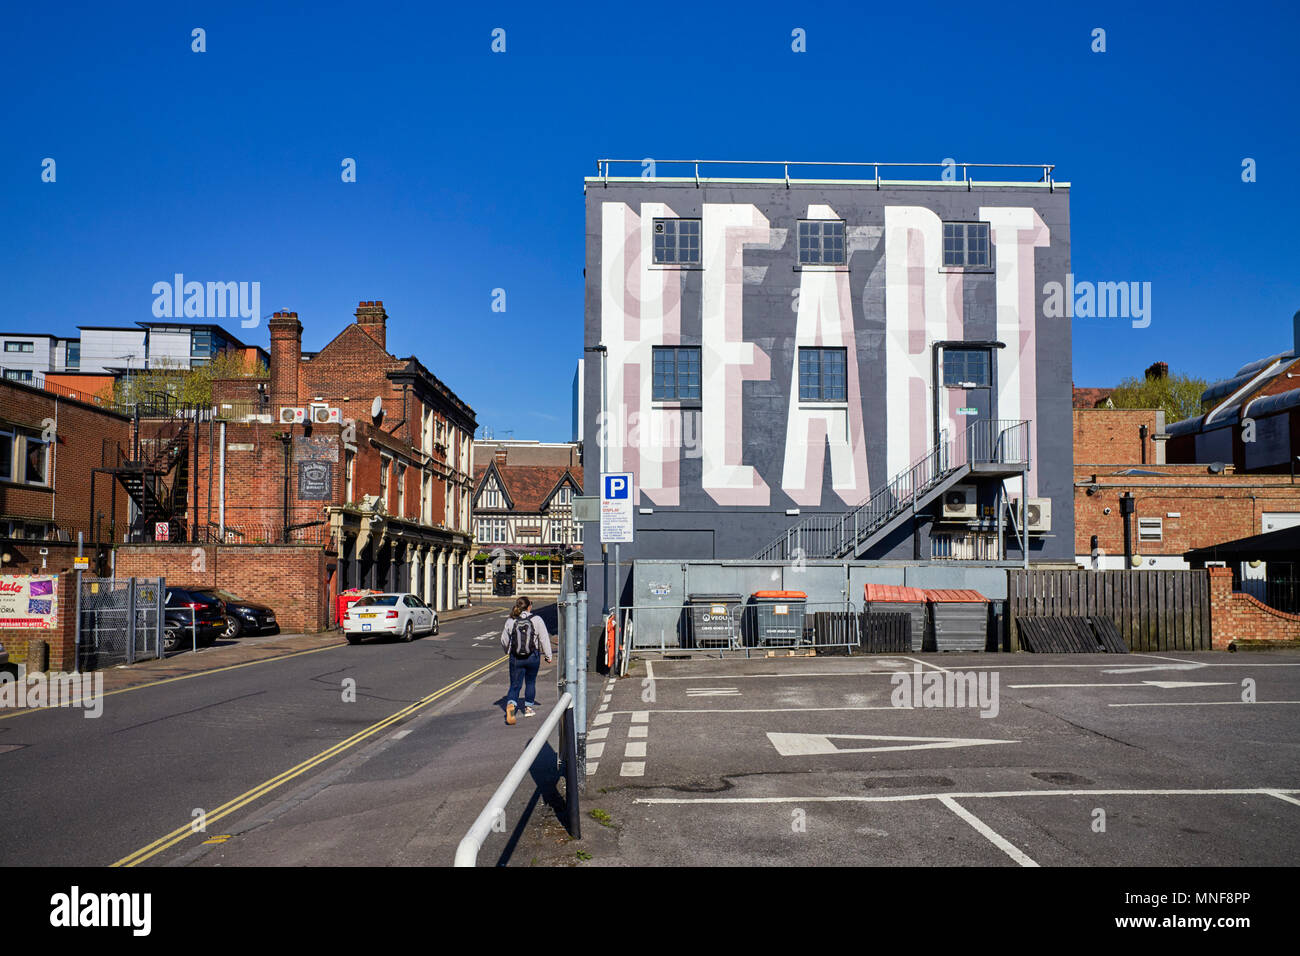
(361, 458)
(49, 448)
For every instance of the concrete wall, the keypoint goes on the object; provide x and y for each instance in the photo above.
(718, 477)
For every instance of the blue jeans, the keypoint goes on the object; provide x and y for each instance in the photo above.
(523, 674)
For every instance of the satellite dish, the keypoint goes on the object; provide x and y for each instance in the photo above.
(377, 409)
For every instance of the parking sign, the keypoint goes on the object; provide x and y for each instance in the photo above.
(616, 495)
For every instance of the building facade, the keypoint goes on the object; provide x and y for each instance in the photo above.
(524, 532)
(362, 456)
(766, 355)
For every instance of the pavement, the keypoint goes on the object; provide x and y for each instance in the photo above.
(1188, 759)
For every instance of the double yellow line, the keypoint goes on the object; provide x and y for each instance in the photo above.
(262, 789)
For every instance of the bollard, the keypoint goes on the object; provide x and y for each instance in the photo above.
(572, 775)
(38, 656)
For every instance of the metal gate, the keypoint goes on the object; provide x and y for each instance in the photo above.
(119, 621)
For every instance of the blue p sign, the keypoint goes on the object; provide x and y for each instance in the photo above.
(615, 486)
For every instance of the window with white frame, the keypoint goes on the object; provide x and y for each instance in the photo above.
(491, 530)
(349, 469)
(19, 346)
(384, 464)
(426, 498)
(426, 429)
(401, 491)
(491, 496)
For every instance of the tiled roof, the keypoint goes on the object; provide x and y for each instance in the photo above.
(526, 485)
(1091, 397)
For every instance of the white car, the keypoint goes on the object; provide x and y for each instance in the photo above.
(403, 615)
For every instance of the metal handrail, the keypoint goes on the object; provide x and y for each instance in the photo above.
(1048, 169)
(472, 842)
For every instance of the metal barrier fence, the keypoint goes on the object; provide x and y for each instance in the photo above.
(741, 628)
(119, 621)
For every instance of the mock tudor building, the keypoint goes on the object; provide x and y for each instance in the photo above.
(858, 369)
(350, 468)
(524, 530)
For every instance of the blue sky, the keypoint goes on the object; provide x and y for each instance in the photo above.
(225, 165)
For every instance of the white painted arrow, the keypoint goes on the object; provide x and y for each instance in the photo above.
(1189, 666)
(802, 745)
(1166, 684)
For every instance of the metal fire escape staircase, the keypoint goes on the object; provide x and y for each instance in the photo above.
(156, 475)
(992, 448)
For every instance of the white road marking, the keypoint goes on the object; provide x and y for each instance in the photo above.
(988, 832)
(1205, 703)
(650, 669)
(713, 692)
(602, 719)
(638, 730)
(1164, 684)
(926, 663)
(640, 716)
(1282, 796)
(804, 745)
(1180, 666)
(401, 733)
(996, 794)
(600, 733)
(591, 768)
(634, 748)
(765, 710)
(607, 698)
(788, 675)
(595, 750)
(632, 768)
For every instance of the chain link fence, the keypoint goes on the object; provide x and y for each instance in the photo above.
(119, 621)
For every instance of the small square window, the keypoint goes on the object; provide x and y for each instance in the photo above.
(677, 241)
(966, 245)
(966, 368)
(821, 242)
(823, 375)
(676, 374)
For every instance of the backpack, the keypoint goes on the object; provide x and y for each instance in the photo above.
(523, 639)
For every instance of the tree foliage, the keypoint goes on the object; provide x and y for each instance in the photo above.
(1178, 395)
(185, 386)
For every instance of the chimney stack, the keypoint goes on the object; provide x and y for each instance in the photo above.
(1295, 333)
(374, 321)
(286, 356)
(500, 456)
(1158, 370)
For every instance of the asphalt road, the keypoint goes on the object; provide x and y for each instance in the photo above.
(279, 762)
(1098, 760)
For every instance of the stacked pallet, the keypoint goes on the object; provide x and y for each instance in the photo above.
(1070, 635)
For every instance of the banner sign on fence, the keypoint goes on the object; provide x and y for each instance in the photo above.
(29, 601)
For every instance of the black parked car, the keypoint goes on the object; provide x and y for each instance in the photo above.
(192, 615)
(243, 617)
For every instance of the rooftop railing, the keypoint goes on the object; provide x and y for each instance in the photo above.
(947, 171)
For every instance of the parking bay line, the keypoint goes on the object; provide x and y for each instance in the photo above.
(1006, 846)
(262, 789)
(1205, 703)
(976, 795)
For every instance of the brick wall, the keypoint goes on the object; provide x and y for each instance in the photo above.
(1236, 617)
(1109, 436)
(83, 435)
(1210, 509)
(62, 639)
(293, 580)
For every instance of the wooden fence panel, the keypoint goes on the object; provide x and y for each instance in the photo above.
(1152, 610)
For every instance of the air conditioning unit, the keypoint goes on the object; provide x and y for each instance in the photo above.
(959, 501)
(324, 415)
(1038, 513)
(292, 416)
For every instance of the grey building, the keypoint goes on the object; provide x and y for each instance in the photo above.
(830, 368)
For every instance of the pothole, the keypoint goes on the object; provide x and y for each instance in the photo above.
(1061, 778)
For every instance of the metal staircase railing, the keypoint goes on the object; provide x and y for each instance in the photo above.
(989, 442)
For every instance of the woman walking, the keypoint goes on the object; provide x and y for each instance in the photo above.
(525, 639)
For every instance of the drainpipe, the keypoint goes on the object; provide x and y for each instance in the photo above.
(285, 438)
(1142, 433)
(221, 489)
(1127, 505)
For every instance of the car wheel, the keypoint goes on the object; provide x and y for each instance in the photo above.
(233, 628)
(171, 640)
(435, 627)
(408, 633)
(353, 638)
